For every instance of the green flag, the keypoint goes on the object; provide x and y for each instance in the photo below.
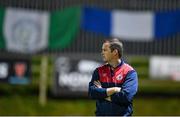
(64, 25)
(2, 43)
(31, 31)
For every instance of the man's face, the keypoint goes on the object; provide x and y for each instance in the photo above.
(20, 69)
(106, 52)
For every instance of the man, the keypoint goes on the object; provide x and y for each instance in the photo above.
(114, 84)
(19, 77)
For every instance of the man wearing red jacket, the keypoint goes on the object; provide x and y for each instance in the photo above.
(114, 84)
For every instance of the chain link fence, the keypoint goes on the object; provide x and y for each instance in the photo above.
(90, 43)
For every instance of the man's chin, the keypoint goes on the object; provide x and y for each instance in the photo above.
(104, 60)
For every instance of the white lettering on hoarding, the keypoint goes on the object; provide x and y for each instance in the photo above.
(75, 81)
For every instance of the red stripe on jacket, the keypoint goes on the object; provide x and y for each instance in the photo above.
(119, 73)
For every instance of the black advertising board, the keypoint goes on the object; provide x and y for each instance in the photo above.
(15, 71)
(72, 76)
(5, 69)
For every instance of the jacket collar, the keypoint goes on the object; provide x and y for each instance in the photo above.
(120, 64)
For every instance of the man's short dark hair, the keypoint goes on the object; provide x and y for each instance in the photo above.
(116, 44)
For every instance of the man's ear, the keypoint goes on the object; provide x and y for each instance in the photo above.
(115, 52)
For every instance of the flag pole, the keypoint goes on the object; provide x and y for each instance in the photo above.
(43, 81)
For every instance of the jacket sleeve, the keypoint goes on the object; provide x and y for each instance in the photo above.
(93, 91)
(129, 89)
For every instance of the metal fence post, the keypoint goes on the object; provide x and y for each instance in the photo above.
(43, 81)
